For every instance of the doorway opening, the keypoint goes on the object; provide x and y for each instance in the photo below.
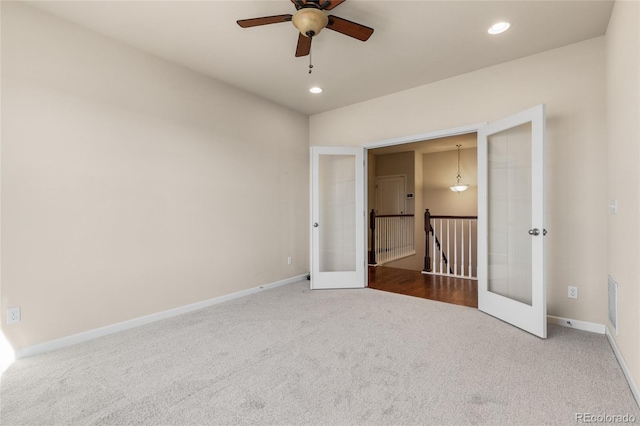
(423, 236)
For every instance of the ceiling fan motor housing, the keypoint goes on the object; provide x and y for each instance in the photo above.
(310, 20)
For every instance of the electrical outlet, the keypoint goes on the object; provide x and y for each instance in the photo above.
(289, 260)
(573, 292)
(13, 315)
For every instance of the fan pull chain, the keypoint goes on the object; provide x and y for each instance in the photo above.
(310, 65)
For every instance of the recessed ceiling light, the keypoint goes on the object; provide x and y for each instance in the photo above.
(498, 28)
(316, 89)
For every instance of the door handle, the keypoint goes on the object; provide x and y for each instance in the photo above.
(315, 224)
(534, 231)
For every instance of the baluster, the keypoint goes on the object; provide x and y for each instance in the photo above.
(455, 247)
(470, 252)
(387, 239)
(396, 243)
(392, 229)
(412, 233)
(441, 247)
(398, 237)
(390, 239)
(462, 247)
(403, 232)
(394, 233)
(448, 245)
(407, 234)
(401, 248)
(380, 239)
(434, 269)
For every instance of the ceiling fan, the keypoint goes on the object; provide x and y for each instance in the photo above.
(310, 19)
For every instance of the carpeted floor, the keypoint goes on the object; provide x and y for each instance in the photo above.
(294, 356)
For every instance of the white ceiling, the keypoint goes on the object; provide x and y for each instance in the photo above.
(414, 43)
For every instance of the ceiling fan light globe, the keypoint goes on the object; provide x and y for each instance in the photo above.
(310, 21)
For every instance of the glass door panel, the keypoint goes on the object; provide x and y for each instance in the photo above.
(509, 213)
(337, 181)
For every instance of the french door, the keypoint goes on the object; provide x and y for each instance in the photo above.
(337, 218)
(511, 278)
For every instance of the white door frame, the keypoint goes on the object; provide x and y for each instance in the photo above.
(420, 137)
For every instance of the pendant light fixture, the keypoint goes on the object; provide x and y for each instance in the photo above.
(459, 187)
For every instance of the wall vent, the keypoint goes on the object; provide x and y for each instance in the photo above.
(613, 303)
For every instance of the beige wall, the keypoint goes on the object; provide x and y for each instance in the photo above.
(440, 173)
(623, 173)
(570, 80)
(131, 186)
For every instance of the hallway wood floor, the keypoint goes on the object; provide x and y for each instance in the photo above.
(414, 283)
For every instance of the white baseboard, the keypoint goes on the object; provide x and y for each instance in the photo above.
(577, 324)
(137, 322)
(623, 365)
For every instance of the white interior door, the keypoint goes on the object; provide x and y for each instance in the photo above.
(337, 218)
(511, 278)
(390, 194)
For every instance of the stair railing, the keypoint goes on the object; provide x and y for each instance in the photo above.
(392, 237)
(453, 238)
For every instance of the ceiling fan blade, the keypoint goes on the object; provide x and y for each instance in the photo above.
(304, 46)
(265, 20)
(331, 5)
(349, 28)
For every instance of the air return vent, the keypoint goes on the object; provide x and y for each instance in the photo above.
(613, 303)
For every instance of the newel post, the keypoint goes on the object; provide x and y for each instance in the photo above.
(372, 226)
(427, 229)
